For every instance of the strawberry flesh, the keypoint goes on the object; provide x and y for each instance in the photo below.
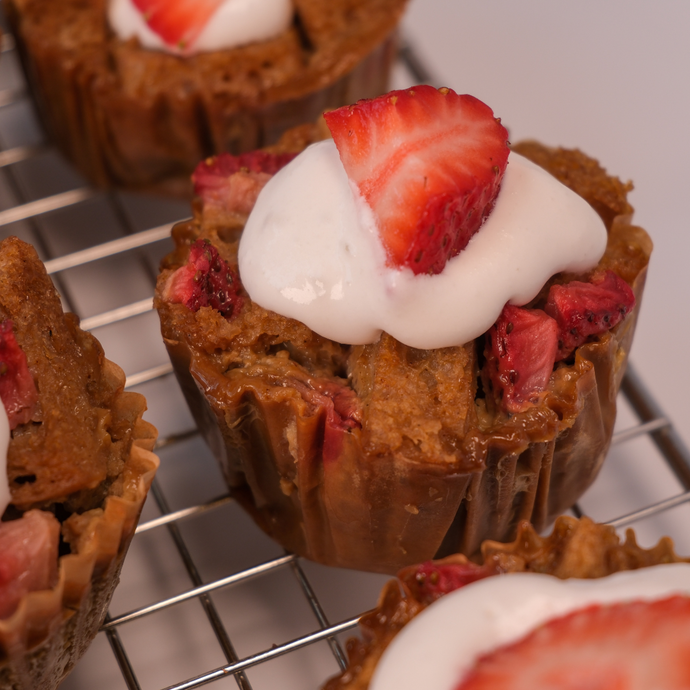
(177, 22)
(17, 388)
(429, 162)
(582, 310)
(636, 645)
(205, 280)
(341, 407)
(28, 557)
(520, 354)
(232, 182)
(430, 581)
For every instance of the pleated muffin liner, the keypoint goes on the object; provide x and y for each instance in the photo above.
(119, 132)
(576, 548)
(51, 629)
(382, 512)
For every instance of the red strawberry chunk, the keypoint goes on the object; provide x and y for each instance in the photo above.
(429, 163)
(28, 557)
(177, 22)
(582, 310)
(232, 182)
(430, 581)
(628, 646)
(17, 388)
(520, 354)
(342, 411)
(205, 281)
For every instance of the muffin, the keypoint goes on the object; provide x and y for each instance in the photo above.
(375, 456)
(575, 549)
(79, 466)
(141, 118)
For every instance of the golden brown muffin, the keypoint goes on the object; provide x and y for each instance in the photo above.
(378, 456)
(141, 119)
(79, 457)
(575, 548)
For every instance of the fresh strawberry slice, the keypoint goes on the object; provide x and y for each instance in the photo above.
(630, 646)
(28, 557)
(17, 388)
(177, 22)
(585, 309)
(430, 581)
(520, 354)
(429, 163)
(205, 280)
(234, 182)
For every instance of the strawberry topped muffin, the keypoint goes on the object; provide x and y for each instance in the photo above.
(576, 609)
(136, 92)
(410, 337)
(75, 468)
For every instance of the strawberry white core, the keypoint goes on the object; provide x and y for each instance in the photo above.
(5, 496)
(311, 251)
(234, 23)
(454, 631)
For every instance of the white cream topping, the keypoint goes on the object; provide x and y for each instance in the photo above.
(5, 496)
(311, 251)
(438, 647)
(235, 23)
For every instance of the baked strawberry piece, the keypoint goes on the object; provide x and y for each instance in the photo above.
(206, 281)
(583, 309)
(233, 182)
(636, 645)
(520, 354)
(17, 388)
(28, 557)
(429, 162)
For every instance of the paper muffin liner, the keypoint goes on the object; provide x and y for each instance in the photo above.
(134, 118)
(576, 548)
(51, 629)
(322, 494)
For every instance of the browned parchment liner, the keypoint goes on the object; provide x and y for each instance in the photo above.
(432, 471)
(575, 548)
(141, 119)
(51, 629)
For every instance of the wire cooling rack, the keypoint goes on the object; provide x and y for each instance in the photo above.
(205, 597)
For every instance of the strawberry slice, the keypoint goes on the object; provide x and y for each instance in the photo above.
(233, 182)
(585, 309)
(17, 388)
(429, 163)
(205, 280)
(28, 557)
(177, 22)
(630, 646)
(520, 354)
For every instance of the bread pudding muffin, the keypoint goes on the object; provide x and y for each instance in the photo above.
(78, 468)
(134, 96)
(394, 445)
(525, 584)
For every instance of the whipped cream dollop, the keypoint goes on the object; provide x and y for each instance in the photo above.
(5, 496)
(311, 251)
(234, 23)
(440, 645)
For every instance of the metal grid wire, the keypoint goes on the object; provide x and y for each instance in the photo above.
(112, 242)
